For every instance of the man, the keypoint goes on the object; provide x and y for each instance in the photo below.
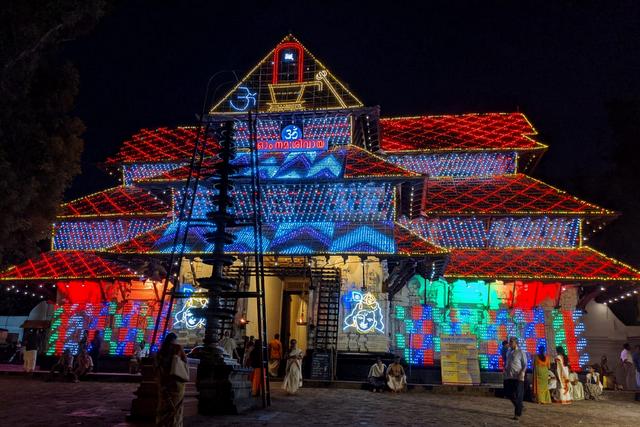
(396, 379)
(96, 348)
(514, 373)
(377, 376)
(504, 349)
(628, 371)
(31, 351)
(503, 352)
(275, 354)
(229, 345)
(64, 366)
(636, 364)
(136, 357)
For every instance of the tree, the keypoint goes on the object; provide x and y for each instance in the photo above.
(40, 139)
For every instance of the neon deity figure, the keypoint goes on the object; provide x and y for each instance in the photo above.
(185, 317)
(366, 316)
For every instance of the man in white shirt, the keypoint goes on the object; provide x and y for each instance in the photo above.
(629, 371)
(514, 373)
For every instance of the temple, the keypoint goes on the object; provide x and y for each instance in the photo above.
(380, 235)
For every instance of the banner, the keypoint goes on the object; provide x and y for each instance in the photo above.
(459, 360)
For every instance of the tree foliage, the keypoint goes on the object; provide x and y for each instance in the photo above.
(40, 138)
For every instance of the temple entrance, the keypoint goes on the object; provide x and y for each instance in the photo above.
(294, 319)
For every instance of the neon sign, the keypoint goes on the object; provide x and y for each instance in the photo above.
(186, 318)
(248, 99)
(366, 315)
(293, 145)
(291, 133)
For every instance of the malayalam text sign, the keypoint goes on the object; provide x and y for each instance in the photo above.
(293, 145)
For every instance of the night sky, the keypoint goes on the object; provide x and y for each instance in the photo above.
(147, 65)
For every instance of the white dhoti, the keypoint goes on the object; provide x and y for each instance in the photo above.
(293, 379)
(397, 383)
(274, 364)
(30, 357)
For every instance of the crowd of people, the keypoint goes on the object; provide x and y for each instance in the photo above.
(172, 384)
(554, 380)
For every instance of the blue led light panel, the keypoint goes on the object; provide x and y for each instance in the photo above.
(457, 164)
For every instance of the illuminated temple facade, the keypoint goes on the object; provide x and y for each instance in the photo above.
(431, 225)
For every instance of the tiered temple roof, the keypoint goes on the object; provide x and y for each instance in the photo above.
(467, 132)
(115, 202)
(579, 264)
(465, 178)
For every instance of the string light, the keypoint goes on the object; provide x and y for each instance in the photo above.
(315, 86)
(473, 232)
(91, 235)
(490, 131)
(458, 164)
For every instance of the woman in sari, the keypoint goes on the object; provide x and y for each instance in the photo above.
(293, 377)
(562, 392)
(169, 412)
(606, 374)
(593, 386)
(257, 376)
(377, 375)
(541, 365)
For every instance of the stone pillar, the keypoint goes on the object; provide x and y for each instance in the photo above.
(145, 404)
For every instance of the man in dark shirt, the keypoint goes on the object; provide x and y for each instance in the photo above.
(503, 352)
(94, 352)
(636, 364)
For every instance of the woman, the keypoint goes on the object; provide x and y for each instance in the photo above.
(541, 365)
(169, 412)
(255, 361)
(293, 377)
(593, 386)
(562, 392)
(377, 375)
(396, 379)
(577, 391)
(606, 374)
(248, 348)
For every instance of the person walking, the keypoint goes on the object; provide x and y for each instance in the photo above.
(514, 373)
(170, 404)
(293, 377)
(31, 351)
(275, 355)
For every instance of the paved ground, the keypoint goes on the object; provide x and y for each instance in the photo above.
(28, 402)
